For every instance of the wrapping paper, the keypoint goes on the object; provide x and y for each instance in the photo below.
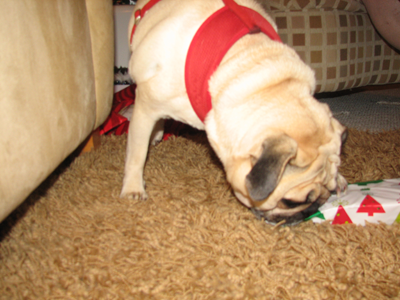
(373, 202)
(118, 121)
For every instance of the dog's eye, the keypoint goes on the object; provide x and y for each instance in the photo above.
(293, 169)
(344, 136)
(253, 160)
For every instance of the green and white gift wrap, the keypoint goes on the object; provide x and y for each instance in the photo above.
(376, 201)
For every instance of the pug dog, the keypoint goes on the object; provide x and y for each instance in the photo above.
(279, 146)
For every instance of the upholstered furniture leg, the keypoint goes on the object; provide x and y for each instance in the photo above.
(92, 142)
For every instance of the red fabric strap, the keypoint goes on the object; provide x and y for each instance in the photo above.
(139, 14)
(210, 44)
(212, 40)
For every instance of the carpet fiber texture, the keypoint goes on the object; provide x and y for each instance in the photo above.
(74, 238)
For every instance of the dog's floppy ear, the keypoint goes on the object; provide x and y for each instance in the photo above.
(267, 171)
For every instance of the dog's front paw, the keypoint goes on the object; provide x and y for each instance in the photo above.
(341, 185)
(133, 194)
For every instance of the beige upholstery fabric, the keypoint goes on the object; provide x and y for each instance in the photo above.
(102, 37)
(336, 38)
(47, 89)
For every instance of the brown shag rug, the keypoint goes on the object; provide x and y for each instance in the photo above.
(74, 238)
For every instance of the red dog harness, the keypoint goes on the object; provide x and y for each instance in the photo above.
(210, 44)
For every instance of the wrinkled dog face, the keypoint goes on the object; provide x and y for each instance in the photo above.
(292, 176)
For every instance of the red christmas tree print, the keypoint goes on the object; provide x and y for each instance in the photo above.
(370, 206)
(341, 217)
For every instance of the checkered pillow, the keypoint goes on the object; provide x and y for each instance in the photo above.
(336, 38)
(285, 5)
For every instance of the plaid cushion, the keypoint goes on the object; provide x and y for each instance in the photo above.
(287, 5)
(336, 38)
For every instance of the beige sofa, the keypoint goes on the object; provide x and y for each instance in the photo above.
(56, 86)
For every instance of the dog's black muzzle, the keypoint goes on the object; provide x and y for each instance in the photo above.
(297, 217)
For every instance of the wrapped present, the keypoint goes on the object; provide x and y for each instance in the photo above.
(376, 201)
(118, 121)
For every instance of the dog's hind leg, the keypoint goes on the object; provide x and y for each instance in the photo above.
(158, 132)
(140, 130)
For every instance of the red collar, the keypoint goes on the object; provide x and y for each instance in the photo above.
(139, 14)
(210, 44)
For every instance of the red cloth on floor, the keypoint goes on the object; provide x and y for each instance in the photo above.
(118, 124)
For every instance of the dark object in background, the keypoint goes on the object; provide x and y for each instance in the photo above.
(121, 76)
(124, 2)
